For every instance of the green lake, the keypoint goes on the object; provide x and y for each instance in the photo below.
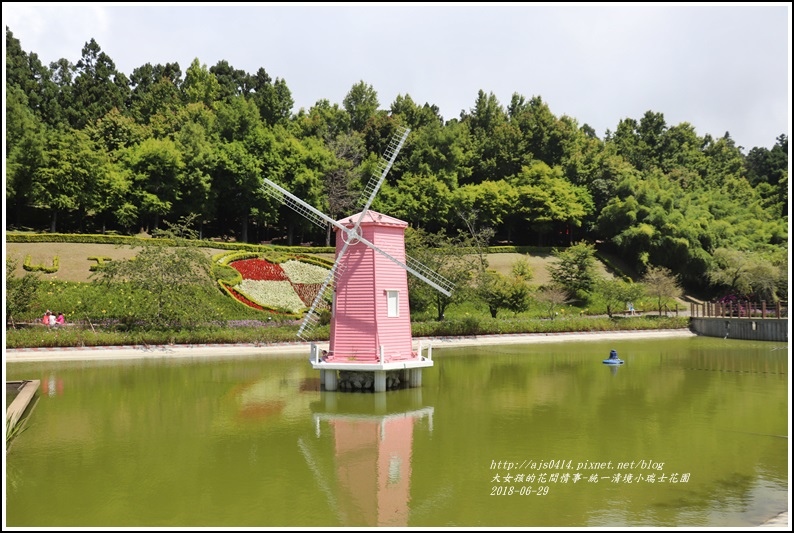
(689, 432)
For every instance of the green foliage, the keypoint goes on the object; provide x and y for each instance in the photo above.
(575, 270)
(500, 292)
(100, 262)
(522, 270)
(662, 285)
(445, 256)
(544, 199)
(225, 274)
(21, 293)
(615, 294)
(86, 146)
(480, 325)
(97, 315)
(361, 103)
(746, 274)
(14, 430)
(27, 265)
(168, 281)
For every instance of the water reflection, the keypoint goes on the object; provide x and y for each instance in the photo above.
(369, 483)
(254, 442)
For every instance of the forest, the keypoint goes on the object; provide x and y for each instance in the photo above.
(90, 149)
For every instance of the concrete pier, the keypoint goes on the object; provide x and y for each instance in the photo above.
(17, 407)
(376, 377)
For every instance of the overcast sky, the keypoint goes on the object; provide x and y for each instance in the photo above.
(722, 68)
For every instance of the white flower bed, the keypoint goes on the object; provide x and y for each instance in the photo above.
(300, 272)
(272, 294)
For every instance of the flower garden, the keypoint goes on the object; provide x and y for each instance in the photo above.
(278, 283)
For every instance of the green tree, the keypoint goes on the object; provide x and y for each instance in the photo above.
(156, 166)
(617, 293)
(485, 123)
(574, 269)
(155, 91)
(169, 280)
(502, 292)
(36, 81)
(237, 184)
(543, 136)
(435, 149)
(493, 289)
(232, 82)
(116, 131)
(200, 85)
(413, 115)
(731, 270)
(98, 87)
(766, 278)
(361, 103)
(447, 257)
(745, 274)
(522, 270)
(299, 166)
(236, 119)
(21, 293)
(493, 201)
(546, 200)
(199, 153)
(68, 176)
(661, 285)
(422, 201)
(25, 152)
(770, 168)
(273, 99)
(323, 120)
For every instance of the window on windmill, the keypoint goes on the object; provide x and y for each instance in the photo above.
(392, 303)
(395, 464)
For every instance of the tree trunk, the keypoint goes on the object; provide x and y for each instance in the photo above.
(290, 232)
(244, 230)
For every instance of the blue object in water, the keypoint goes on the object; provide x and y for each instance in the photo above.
(613, 359)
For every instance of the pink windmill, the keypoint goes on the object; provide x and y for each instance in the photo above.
(370, 331)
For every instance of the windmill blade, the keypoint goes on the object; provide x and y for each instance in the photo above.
(429, 276)
(299, 206)
(384, 165)
(421, 271)
(312, 318)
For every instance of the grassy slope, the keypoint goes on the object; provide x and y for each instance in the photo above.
(74, 263)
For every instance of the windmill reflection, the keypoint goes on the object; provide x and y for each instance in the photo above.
(370, 480)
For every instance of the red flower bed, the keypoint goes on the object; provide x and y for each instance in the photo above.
(259, 270)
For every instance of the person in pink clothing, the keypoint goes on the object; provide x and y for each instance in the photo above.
(61, 320)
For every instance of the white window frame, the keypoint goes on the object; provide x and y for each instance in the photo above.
(392, 303)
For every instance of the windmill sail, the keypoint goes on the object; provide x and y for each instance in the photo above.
(384, 165)
(312, 318)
